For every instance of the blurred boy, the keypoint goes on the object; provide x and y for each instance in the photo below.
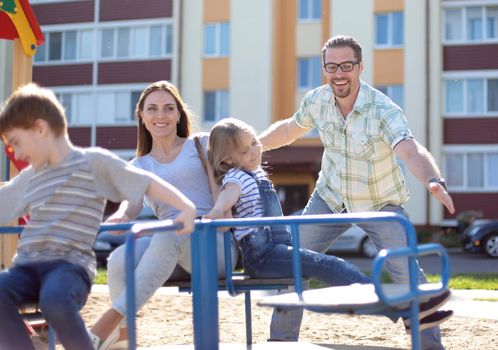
(65, 191)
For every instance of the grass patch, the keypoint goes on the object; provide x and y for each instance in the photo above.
(487, 281)
(101, 277)
(486, 299)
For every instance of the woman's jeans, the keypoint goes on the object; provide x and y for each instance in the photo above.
(60, 289)
(286, 325)
(155, 260)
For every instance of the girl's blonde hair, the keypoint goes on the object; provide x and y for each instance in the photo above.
(223, 140)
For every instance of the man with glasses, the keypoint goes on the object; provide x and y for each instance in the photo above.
(362, 132)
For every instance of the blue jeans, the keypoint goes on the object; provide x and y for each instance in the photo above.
(268, 254)
(59, 287)
(286, 325)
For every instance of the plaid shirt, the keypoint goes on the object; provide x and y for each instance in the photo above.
(359, 170)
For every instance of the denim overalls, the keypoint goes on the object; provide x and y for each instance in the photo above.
(267, 252)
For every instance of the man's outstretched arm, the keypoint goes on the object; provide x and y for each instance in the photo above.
(422, 165)
(281, 133)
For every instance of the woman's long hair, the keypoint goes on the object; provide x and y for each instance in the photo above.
(144, 138)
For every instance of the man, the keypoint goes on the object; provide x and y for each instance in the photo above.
(362, 132)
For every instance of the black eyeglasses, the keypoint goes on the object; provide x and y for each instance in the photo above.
(345, 66)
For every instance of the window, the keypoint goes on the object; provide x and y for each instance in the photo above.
(65, 46)
(389, 29)
(66, 101)
(85, 44)
(217, 39)
(107, 42)
(136, 42)
(471, 24)
(474, 23)
(309, 73)
(394, 92)
(103, 107)
(473, 170)
(216, 105)
(309, 10)
(473, 96)
(123, 45)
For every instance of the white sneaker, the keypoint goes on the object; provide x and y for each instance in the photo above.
(99, 344)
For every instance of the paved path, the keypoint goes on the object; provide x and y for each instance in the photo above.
(461, 262)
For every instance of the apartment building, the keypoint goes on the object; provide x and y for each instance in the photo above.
(254, 60)
(469, 80)
(98, 56)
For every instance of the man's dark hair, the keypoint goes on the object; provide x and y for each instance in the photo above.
(343, 41)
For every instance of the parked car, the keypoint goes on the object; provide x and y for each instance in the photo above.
(354, 240)
(482, 237)
(107, 241)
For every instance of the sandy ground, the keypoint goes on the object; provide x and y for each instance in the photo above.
(167, 319)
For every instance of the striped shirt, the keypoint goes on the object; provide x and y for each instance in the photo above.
(359, 170)
(249, 204)
(66, 203)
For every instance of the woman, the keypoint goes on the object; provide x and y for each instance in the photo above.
(165, 147)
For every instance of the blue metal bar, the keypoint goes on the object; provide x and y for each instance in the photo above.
(51, 338)
(247, 304)
(11, 229)
(205, 287)
(227, 247)
(130, 290)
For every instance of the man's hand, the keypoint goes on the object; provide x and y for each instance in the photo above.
(438, 191)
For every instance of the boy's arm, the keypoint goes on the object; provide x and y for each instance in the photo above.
(164, 192)
(12, 198)
(226, 200)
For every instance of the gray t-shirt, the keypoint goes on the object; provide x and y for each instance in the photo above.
(66, 203)
(186, 173)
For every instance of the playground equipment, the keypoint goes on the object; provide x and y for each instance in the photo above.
(404, 302)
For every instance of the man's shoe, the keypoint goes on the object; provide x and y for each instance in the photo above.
(430, 306)
(434, 304)
(432, 320)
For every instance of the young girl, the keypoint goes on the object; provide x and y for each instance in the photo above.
(235, 156)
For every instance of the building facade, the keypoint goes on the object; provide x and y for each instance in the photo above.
(254, 60)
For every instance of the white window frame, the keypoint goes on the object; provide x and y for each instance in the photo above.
(49, 1)
(147, 25)
(62, 60)
(390, 31)
(465, 150)
(97, 39)
(112, 89)
(310, 6)
(463, 5)
(481, 74)
(217, 39)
